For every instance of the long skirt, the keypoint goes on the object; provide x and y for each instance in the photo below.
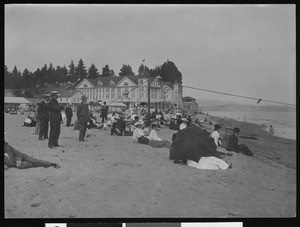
(208, 163)
(37, 127)
(159, 144)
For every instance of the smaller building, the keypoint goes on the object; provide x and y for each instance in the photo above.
(190, 104)
(8, 93)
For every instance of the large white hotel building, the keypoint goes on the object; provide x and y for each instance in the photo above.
(132, 90)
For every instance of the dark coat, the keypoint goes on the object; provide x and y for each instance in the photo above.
(43, 110)
(54, 110)
(69, 112)
(192, 143)
(82, 113)
(104, 111)
(233, 143)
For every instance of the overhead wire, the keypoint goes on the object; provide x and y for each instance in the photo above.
(246, 97)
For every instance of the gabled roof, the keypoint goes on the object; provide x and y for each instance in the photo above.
(105, 80)
(64, 93)
(8, 93)
(188, 97)
(169, 84)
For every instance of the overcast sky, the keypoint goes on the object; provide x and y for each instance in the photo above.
(247, 50)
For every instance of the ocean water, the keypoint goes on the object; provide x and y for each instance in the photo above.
(284, 122)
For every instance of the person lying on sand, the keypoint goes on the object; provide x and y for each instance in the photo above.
(15, 158)
(234, 146)
(154, 140)
(209, 163)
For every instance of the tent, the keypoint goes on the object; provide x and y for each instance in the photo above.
(16, 100)
(120, 104)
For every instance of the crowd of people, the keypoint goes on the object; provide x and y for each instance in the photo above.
(191, 144)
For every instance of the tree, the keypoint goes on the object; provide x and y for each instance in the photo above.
(126, 70)
(170, 73)
(80, 71)
(107, 72)
(93, 72)
(71, 72)
(8, 78)
(26, 75)
(143, 68)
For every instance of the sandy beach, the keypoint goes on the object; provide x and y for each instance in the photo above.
(112, 177)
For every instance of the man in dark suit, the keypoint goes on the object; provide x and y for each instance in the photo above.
(15, 158)
(69, 114)
(83, 117)
(104, 112)
(234, 146)
(43, 112)
(55, 120)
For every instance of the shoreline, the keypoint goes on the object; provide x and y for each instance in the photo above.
(266, 145)
(282, 131)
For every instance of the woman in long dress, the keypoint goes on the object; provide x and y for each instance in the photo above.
(155, 141)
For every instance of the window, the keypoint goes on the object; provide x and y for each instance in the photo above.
(119, 95)
(111, 83)
(107, 89)
(113, 95)
(99, 83)
(119, 89)
(112, 90)
(107, 95)
(133, 95)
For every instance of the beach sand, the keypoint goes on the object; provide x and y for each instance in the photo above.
(112, 177)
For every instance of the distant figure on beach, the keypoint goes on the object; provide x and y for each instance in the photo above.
(234, 146)
(69, 115)
(44, 115)
(55, 120)
(216, 136)
(15, 158)
(272, 131)
(83, 118)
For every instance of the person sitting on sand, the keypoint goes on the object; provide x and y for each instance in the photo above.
(138, 135)
(234, 146)
(216, 136)
(14, 158)
(154, 140)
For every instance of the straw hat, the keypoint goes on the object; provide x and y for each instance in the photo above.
(54, 93)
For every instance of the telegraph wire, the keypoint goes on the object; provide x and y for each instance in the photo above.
(246, 97)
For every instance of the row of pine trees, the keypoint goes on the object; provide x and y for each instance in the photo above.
(29, 84)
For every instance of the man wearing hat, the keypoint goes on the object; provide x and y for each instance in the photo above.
(83, 117)
(69, 114)
(43, 112)
(234, 146)
(55, 119)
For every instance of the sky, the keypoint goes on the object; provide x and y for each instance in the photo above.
(247, 50)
